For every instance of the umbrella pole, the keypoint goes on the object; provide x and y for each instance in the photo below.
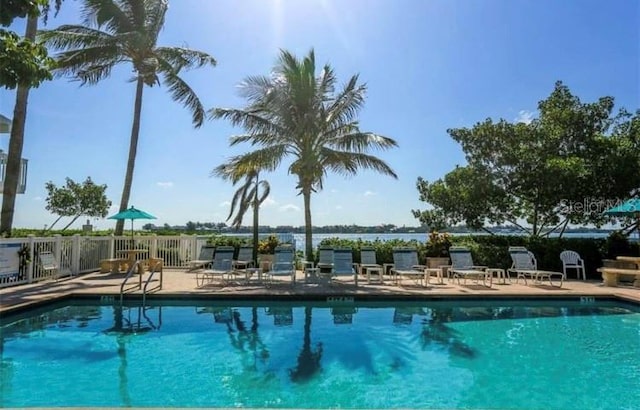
(133, 243)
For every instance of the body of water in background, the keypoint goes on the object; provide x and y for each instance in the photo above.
(420, 237)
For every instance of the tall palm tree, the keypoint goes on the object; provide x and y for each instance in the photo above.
(247, 195)
(295, 113)
(16, 143)
(118, 31)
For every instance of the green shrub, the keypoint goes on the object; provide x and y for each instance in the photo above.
(492, 250)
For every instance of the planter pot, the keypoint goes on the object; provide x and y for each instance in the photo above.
(264, 261)
(435, 262)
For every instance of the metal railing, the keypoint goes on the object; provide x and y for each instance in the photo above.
(132, 270)
(82, 254)
(158, 287)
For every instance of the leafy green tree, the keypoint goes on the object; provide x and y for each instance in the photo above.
(247, 196)
(118, 31)
(77, 199)
(23, 64)
(295, 113)
(559, 169)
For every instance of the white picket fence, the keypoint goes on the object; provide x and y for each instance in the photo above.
(77, 254)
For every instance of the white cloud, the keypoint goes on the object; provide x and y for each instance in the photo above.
(524, 116)
(289, 207)
(37, 198)
(225, 203)
(338, 206)
(165, 184)
(370, 193)
(269, 202)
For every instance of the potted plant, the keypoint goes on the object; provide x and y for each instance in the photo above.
(266, 249)
(437, 249)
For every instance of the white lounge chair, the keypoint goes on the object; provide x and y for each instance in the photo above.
(369, 264)
(343, 264)
(405, 264)
(283, 264)
(243, 265)
(221, 266)
(525, 264)
(325, 261)
(204, 258)
(572, 260)
(245, 258)
(462, 266)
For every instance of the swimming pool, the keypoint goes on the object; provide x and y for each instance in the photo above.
(455, 354)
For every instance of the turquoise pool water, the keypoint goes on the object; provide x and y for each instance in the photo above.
(499, 354)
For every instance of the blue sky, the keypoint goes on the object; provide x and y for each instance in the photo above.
(429, 66)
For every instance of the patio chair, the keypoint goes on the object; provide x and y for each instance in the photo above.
(572, 260)
(369, 264)
(204, 258)
(325, 260)
(221, 266)
(283, 264)
(245, 258)
(405, 264)
(243, 264)
(462, 266)
(525, 264)
(343, 264)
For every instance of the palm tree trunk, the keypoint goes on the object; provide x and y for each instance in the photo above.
(308, 236)
(256, 217)
(133, 149)
(16, 142)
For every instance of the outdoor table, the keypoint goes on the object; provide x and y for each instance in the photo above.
(132, 256)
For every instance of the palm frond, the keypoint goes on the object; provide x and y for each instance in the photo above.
(186, 58)
(267, 159)
(181, 92)
(154, 17)
(75, 37)
(247, 119)
(106, 13)
(256, 88)
(348, 163)
(266, 190)
(361, 142)
(347, 104)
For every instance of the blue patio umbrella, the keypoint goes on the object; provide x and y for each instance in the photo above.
(132, 213)
(629, 208)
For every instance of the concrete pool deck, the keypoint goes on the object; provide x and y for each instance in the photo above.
(182, 284)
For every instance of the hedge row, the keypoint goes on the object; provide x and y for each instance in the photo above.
(492, 250)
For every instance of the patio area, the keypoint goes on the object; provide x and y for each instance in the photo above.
(182, 284)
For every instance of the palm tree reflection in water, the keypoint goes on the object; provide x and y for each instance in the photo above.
(308, 360)
(242, 337)
(437, 331)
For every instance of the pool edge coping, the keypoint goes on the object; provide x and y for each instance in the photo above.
(317, 297)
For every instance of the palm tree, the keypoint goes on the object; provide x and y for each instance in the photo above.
(294, 113)
(127, 31)
(246, 196)
(16, 143)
